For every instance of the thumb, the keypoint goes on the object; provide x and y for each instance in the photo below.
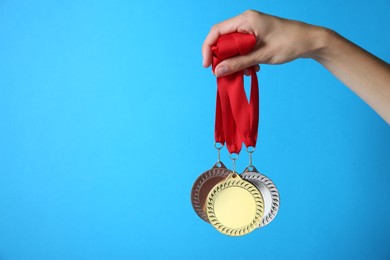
(234, 64)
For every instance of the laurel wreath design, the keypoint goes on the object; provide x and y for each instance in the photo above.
(195, 192)
(236, 182)
(254, 175)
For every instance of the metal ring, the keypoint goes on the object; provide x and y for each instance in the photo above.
(233, 156)
(218, 145)
(250, 149)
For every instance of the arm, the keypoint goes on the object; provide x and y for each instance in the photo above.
(362, 72)
(280, 41)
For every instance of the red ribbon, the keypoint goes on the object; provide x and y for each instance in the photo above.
(236, 120)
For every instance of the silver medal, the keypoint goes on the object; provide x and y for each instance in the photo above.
(268, 190)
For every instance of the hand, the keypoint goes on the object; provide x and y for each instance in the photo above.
(278, 41)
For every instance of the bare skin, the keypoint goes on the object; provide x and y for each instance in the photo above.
(280, 40)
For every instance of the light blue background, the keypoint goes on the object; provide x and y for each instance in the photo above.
(106, 120)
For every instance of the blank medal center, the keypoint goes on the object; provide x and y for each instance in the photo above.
(235, 207)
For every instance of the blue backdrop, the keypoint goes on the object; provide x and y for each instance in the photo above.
(106, 120)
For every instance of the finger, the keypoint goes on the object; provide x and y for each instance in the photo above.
(235, 64)
(225, 27)
(247, 72)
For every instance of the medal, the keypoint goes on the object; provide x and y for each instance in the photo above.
(268, 190)
(266, 187)
(207, 180)
(235, 205)
(202, 186)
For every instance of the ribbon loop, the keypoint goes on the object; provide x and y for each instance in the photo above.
(236, 120)
(230, 45)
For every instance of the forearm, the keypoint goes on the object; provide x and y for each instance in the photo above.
(363, 73)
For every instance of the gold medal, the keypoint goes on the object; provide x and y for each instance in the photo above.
(234, 206)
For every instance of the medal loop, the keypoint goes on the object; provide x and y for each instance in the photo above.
(250, 150)
(218, 146)
(234, 157)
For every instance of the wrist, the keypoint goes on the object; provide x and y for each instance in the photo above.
(323, 39)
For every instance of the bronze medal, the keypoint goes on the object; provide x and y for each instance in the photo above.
(202, 186)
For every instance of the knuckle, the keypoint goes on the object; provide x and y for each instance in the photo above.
(250, 13)
(214, 28)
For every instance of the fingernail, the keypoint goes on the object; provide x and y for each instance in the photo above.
(220, 71)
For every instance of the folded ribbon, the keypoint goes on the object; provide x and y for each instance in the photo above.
(236, 120)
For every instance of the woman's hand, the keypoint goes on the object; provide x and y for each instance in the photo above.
(278, 41)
